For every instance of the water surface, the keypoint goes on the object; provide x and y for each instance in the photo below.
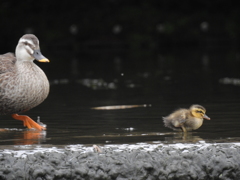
(71, 119)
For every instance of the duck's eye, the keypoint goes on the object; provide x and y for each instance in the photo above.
(26, 43)
(199, 112)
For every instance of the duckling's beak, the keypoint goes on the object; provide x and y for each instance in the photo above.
(206, 117)
(39, 57)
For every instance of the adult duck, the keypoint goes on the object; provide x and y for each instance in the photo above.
(23, 85)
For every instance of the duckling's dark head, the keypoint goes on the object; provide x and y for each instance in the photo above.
(199, 111)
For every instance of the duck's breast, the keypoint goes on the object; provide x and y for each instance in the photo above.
(194, 123)
(22, 89)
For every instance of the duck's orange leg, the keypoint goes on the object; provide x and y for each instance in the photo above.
(27, 121)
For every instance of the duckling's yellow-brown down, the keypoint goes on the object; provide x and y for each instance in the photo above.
(186, 119)
(23, 85)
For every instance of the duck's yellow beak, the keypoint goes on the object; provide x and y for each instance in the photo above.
(206, 117)
(44, 60)
(39, 57)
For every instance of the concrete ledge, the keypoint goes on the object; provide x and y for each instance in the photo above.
(122, 162)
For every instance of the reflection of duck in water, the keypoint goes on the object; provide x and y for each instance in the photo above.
(22, 137)
(186, 119)
(23, 85)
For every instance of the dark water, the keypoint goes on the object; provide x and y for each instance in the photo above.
(70, 118)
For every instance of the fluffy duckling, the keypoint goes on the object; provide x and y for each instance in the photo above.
(186, 119)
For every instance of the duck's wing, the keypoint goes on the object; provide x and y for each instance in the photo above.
(182, 118)
(7, 62)
(175, 119)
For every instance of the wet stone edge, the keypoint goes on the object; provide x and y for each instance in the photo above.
(162, 162)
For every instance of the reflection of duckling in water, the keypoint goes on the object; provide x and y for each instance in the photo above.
(186, 119)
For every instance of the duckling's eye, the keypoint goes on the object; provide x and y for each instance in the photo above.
(199, 112)
(26, 43)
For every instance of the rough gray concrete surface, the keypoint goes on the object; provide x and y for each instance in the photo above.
(212, 161)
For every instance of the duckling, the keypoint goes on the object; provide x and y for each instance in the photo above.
(23, 85)
(186, 119)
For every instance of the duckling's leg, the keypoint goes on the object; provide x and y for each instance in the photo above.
(27, 121)
(184, 129)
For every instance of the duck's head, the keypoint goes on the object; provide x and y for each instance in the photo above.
(199, 111)
(28, 49)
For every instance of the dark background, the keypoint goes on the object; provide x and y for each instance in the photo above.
(168, 54)
(102, 39)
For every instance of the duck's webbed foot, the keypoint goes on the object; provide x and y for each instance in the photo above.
(27, 121)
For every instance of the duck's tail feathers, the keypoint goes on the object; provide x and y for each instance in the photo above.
(168, 123)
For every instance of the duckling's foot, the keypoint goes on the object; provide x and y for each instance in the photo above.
(27, 121)
(184, 129)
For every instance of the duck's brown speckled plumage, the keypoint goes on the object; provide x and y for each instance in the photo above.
(23, 85)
